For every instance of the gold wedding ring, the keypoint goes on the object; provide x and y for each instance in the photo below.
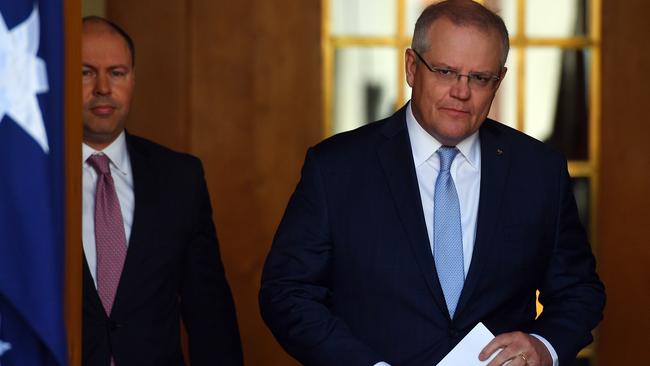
(524, 357)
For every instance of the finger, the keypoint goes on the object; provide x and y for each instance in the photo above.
(500, 341)
(513, 361)
(496, 354)
(519, 361)
(508, 357)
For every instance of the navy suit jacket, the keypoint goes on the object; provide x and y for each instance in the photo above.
(173, 269)
(351, 280)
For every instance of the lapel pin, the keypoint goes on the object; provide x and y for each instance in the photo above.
(499, 152)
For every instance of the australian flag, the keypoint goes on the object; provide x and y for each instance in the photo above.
(31, 183)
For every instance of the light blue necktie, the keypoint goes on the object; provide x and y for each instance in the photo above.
(447, 232)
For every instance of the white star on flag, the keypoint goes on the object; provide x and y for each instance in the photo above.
(22, 76)
(4, 347)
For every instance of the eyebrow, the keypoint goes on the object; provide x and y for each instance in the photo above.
(112, 67)
(445, 66)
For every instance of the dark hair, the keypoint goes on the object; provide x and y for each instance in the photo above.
(116, 28)
(460, 12)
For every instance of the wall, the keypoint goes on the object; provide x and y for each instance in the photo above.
(236, 83)
(624, 232)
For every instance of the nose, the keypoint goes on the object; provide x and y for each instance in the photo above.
(102, 85)
(460, 88)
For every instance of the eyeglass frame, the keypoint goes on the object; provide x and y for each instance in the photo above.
(470, 77)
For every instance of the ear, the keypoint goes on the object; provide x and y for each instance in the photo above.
(410, 65)
(504, 70)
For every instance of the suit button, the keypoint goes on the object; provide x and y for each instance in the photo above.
(113, 325)
(453, 333)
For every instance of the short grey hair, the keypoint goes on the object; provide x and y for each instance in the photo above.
(460, 12)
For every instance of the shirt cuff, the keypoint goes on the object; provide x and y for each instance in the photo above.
(382, 363)
(550, 348)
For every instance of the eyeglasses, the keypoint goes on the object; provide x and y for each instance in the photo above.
(476, 80)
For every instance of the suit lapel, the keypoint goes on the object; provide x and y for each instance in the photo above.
(396, 159)
(145, 192)
(495, 163)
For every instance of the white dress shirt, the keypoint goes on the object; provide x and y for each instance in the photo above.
(120, 166)
(466, 173)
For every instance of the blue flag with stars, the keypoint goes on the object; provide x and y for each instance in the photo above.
(32, 213)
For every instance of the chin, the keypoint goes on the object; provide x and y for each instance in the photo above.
(454, 136)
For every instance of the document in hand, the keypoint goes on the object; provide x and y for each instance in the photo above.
(466, 352)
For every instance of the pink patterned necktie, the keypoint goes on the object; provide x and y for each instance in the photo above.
(110, 239)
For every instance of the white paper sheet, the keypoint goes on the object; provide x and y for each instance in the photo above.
(466, 352)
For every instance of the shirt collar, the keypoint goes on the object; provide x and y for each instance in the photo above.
(116, 153)
(423, 145)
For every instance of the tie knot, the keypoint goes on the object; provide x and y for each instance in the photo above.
(447, 155)
(100, 163)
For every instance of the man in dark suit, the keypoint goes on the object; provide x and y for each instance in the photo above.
(402, 235)
(151, 254)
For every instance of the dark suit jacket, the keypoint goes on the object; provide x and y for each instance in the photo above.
(351, 280)
(173, 268)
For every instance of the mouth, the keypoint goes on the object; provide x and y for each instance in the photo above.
(456, 112)
(102, 110)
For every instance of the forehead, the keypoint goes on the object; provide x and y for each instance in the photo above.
(464, 46)
(102, 45)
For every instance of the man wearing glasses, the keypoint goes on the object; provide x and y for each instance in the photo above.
(404, 234)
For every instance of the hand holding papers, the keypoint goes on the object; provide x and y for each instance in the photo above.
(466, 352)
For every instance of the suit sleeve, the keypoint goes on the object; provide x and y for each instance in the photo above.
(295, 288)
(206, 301)
(572, 294)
